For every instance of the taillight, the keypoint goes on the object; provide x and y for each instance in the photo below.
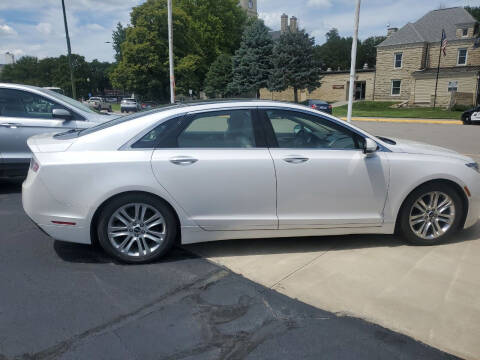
(313, 106)
(330, 106)
(34, 165)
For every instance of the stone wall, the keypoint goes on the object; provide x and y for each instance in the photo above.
(334, 88)
(413, 60)
(450, 60)
(466, 90)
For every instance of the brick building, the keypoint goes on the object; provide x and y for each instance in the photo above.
(406, 65)
(407, 60)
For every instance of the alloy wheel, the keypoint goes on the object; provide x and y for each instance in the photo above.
(432, 215)
(136, 229)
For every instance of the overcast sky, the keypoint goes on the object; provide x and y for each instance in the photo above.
(33, 27)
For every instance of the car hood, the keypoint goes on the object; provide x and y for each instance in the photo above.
(415, 147)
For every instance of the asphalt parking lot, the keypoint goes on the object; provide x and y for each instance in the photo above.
(68, 301)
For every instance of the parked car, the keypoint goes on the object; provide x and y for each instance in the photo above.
(129, 105)
(471, 116)
(319, 105)
(99, 104)
(241, 169)
(148, 105)
(28, 110)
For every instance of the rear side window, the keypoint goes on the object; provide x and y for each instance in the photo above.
(154, 137)
(220, 129)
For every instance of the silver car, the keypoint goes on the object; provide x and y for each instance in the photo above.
(26, 111)
(128, 105)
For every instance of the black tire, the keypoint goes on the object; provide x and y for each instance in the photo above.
(122, 110)
(467, 120)
(409, 235)
(157, 204)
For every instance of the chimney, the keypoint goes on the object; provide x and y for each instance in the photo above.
(391, 31)
(284, 23)
(293, 24)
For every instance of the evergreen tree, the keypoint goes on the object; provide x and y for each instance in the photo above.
(252, 63)
(294, 63)
(474, 11)
(219, 76)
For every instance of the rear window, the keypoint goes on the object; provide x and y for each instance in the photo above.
(123, 119)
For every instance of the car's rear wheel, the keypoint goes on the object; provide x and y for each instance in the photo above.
(431, 214)
(136, 228)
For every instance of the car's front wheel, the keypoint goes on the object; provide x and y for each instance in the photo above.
(467, 120)
(136, 228)
(431, 214)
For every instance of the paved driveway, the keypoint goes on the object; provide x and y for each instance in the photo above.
(430, 293)
(68, 301)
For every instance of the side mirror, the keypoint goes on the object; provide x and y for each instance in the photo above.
(370, 146)
(61, 114)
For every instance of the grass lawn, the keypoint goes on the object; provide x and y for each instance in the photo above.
(116, 107)
(382, 109)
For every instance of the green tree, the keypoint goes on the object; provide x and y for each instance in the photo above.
(54, 71)
(219, 76)
(336, 52)
(118, 37)
(367, 51)
(24, 71)
(294, 63)
(202, 30)
(475, 11)
(252, 63)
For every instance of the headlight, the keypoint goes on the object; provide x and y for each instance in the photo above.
(474, 166)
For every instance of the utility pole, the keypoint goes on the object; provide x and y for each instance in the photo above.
(170, 52)
(72, 80)
(353, 62)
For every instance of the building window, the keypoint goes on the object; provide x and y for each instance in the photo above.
(396, 85)
(398, 60)
(452, 86)
(462, 57)
(465, 32)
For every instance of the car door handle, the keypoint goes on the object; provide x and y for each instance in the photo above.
(183, 160)
(11, 125)
(295, 159)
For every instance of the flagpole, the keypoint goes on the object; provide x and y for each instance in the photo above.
(438, 71)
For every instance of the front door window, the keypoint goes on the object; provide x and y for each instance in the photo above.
(22, 104)
(299, 130)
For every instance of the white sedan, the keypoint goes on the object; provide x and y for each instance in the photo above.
(244, 169)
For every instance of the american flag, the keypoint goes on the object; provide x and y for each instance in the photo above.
(444, 43)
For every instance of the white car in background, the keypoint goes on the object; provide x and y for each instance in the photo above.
(129, 105)
(245, 169)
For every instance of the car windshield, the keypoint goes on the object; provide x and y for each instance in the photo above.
(69, 101)
(123, 119)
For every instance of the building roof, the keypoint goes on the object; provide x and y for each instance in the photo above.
(429, 27)
(443, 70)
